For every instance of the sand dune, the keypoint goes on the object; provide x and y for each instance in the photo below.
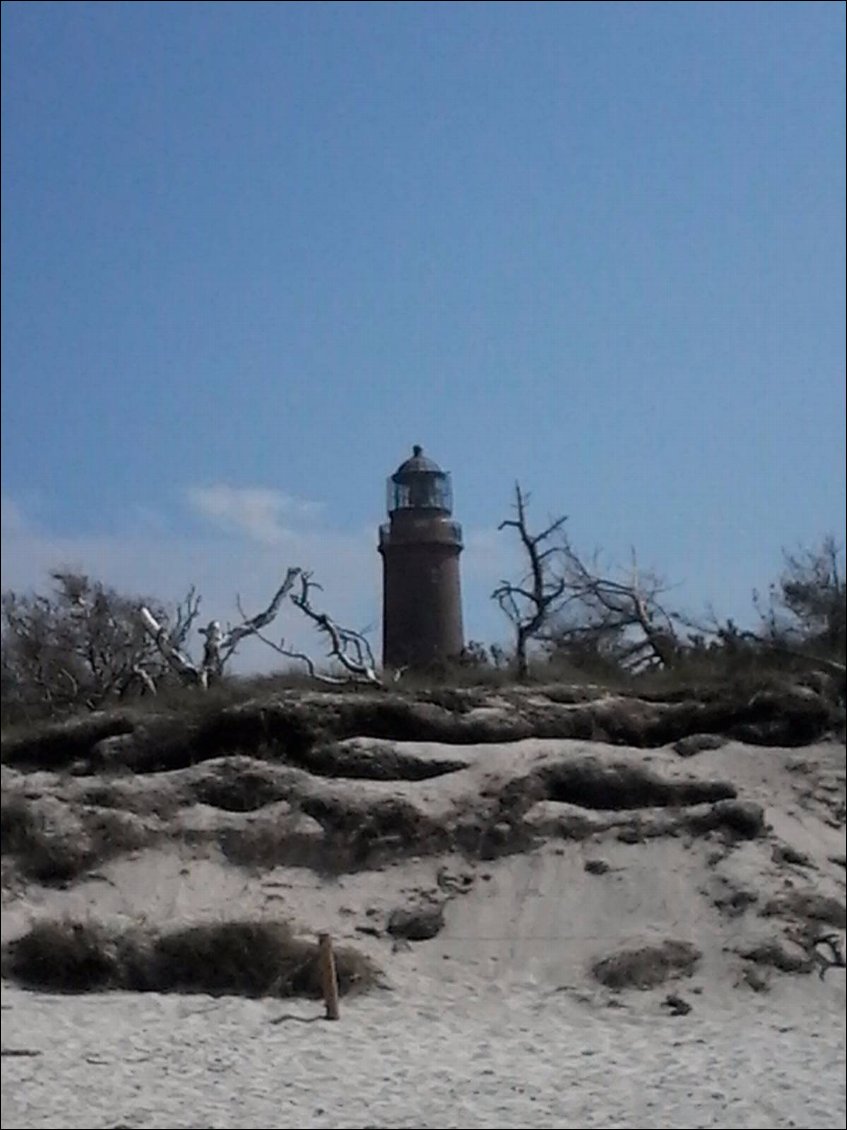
(495, 884)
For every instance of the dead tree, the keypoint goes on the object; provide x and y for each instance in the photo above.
(82, 646)
(219, 646)
(628, 611)
(348, 648)
(177, 659)
(531, 602)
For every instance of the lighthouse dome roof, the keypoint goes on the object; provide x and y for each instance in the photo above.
(418, 463)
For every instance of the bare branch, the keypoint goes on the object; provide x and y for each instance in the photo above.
(187, 612)
(145, 678)
(621, 619)
(349, 648)
(74, 683)
(530, 603)
(177, 660)
(332, 680)
(235, 635)
(218, 646)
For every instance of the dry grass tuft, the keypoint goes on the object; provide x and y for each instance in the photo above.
(647, 966)
(243, 958)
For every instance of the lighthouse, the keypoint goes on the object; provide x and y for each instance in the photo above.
(420, 546)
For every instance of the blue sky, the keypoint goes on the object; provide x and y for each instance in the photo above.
(252, 252)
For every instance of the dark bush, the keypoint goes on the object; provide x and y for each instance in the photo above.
(647, 966)
(42, 852)
(244, 958)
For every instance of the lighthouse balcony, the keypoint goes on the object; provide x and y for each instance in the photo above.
(411, 528)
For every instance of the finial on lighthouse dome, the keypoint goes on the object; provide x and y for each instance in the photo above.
(418, 463)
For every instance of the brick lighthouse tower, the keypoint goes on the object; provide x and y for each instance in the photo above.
(420, 546)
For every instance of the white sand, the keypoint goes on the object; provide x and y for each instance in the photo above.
(520, 1058)
(494, 1023)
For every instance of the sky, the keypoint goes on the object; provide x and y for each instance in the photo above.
(252, 252)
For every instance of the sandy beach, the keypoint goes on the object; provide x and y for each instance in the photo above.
(519, 1057)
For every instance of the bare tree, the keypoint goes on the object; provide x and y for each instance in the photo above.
(531, 602)
(219, 646)
(87, 645)
(626, 615)
(348, 648)
(81, 646)
(575, 606)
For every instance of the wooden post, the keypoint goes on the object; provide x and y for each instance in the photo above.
(329, 978)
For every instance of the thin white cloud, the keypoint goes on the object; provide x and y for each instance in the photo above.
(11, 516)
(263, 514)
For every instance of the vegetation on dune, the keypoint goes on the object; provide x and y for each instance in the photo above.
(647, 966)
(296, 728)
(246, 958)
(86, 648)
